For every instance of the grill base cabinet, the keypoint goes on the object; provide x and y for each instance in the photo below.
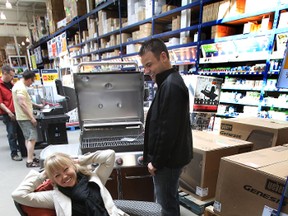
(131, 183)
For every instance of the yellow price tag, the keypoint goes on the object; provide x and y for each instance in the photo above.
(49, 77)
(37, 76)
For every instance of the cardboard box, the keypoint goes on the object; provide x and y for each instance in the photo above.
(263, 133)
(237, 7)
(210, 12)
(250, 27)
(266, 24)
(74, 8)
(167, 7)
(199, 177)
(91, 27)
(124, 37)
(252, 183)
(218, 31)
(55, 13)
(224, 9)
(228, 8)
(176, 23)
(186, 40)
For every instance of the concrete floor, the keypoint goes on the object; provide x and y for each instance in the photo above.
(12, 173)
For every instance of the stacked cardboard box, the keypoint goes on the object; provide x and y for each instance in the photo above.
(219, 31)
(55, 13)
(250, 27)
(264, 133)
(112, 24)
(252, 183)
(91, 28)
(74, 8)
(145, 30)
(167, 7)
(199, 177)
(237, 7)
(223, 9)
(124, 37)
(228, 8)
(103, 16)
(210, 12)
(176, 22)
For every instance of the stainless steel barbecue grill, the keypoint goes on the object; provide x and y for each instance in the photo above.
(110, 108)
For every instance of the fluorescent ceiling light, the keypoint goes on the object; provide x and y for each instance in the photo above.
(23, 43)
(8, 4)
(2, 16)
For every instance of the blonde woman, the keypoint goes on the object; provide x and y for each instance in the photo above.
(78, 191)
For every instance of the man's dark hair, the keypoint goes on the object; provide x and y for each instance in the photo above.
(7, 69)
(27, 74)
(156, 46)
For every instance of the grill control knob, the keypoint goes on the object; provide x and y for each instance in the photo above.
(119, 161)
(140, 160)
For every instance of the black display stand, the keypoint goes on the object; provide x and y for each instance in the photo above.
(52, 130)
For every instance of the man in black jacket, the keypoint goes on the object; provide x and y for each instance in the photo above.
(168, 137)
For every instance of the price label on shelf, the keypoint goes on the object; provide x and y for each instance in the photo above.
(49, 75)
(37, 76)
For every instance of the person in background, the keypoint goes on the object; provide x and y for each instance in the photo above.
(14, 132)
(24, 115)
(77, 189)
(168, 136)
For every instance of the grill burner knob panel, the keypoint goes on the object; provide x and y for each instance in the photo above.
(140, 160)
(119, 161)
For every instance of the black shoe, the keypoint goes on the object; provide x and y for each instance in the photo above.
(16, 157)
(32, 164)
(36, 160)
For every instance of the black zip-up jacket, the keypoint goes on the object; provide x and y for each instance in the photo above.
(168, 136)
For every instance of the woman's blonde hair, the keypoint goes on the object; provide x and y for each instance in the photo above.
(58, 161)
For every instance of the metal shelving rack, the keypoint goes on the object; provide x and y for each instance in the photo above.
(197, 26)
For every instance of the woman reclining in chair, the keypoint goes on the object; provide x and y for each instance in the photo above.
(78, 191)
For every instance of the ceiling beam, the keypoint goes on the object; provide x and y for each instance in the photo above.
(24, 9)
(37, 1)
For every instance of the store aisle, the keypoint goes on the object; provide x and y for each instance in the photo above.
(12, 173)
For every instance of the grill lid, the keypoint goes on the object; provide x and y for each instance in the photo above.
(108, 98)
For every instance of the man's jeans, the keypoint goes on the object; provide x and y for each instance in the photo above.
(166, 183)
(14, 134)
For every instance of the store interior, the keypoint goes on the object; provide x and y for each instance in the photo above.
(232, 55)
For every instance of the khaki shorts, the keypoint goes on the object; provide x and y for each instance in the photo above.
(29, 131)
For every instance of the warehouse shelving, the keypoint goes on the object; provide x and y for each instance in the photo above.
(197, 26)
